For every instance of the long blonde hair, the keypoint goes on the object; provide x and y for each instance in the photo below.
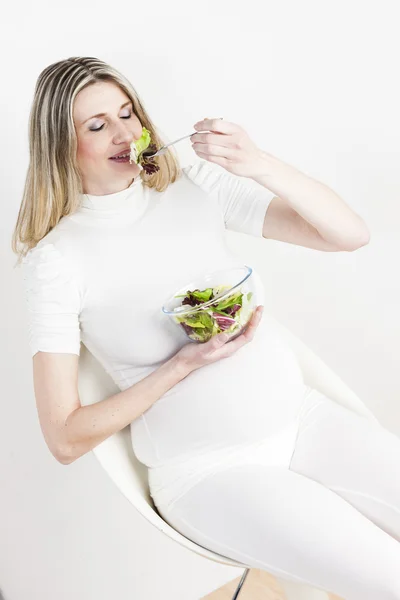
(53, 182)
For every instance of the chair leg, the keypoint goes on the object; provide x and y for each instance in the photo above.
(239, 587)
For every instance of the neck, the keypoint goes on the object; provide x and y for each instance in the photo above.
(97, 189)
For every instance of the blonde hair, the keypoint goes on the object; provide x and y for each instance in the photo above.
(53, 182)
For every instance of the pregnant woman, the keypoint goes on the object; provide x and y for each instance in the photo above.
(243, 457)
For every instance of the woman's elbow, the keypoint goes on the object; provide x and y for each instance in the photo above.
(64, 455)
(361, 238)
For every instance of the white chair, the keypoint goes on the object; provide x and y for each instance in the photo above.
(130, 476)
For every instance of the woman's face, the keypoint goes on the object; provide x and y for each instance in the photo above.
(100, 137)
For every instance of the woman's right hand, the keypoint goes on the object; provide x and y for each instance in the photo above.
(196, 355)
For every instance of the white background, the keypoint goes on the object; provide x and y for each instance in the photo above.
(314, 83)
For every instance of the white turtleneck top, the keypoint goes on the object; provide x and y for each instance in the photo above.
(100, 278)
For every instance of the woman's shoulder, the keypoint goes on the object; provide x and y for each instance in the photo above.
(62, 238)
(49, 246)
(47, 263)
(44, 248)
(212, 179)
(54, 298)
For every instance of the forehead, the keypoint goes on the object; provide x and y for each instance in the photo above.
(102, 96)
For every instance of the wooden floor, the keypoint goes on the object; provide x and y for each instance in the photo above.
(259, 585)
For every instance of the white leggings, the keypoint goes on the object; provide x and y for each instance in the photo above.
(331, 520)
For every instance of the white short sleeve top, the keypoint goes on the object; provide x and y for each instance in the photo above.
(101, 276)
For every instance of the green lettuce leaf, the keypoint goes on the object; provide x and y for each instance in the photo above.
(139, 145)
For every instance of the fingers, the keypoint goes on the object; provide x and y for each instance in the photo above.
(258, 312)
(211, 138)
(215, 150)
(248, 335)
(244, 338)
(224, 337)
(219, 340)
(216, 126)
(255, 320)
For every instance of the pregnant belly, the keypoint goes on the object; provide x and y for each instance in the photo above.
(245, 397)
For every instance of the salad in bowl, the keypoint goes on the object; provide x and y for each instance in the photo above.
(218, 302)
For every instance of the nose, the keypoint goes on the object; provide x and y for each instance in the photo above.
(124, 135)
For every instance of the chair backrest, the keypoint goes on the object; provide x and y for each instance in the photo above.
(116, 456)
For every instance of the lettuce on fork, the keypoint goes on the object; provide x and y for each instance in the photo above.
(143, 143)
(229, 314)
(137, 146)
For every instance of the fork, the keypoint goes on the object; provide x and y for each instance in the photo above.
(163, 149)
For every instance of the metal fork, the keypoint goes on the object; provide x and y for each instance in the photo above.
(163, 149)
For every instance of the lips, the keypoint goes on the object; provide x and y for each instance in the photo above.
(121, 153)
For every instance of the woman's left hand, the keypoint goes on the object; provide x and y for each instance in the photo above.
(229, 146)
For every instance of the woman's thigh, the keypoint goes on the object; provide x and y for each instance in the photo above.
(355, 458)
(291, 526)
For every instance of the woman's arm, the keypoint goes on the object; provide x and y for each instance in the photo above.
(316, 203)
(72, 430)
(229, 146)
(88, 426)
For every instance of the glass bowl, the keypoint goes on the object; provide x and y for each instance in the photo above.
(220, 301)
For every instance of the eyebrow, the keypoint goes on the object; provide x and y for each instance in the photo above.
(104, 114)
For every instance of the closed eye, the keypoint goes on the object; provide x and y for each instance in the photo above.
(99, 128)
